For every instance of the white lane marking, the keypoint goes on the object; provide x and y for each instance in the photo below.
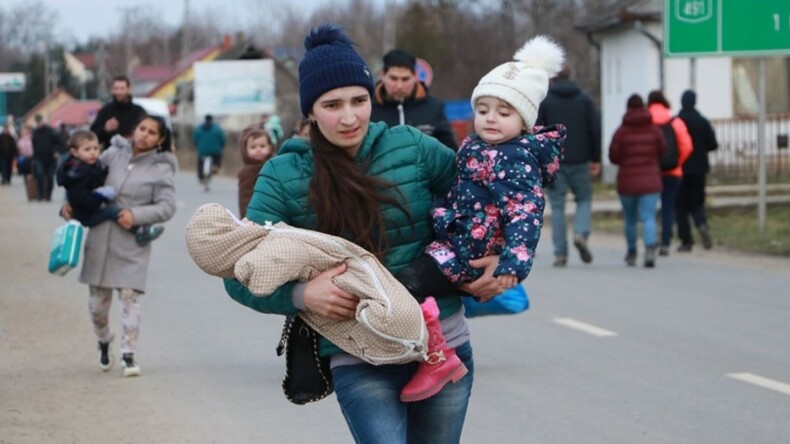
(758, 380)
(586, 328)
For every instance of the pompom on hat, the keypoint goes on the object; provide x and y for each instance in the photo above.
(330, 62)
(524, 82)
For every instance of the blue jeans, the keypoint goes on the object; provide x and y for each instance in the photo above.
(643, 207)
(575, 177)
(369, 399)
(669, 198)
(44, 172)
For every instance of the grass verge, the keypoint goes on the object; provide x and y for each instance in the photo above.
(732, 228)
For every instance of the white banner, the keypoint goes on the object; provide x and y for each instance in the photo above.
(232, 87)
(12, 81)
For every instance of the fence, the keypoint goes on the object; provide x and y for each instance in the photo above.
(736, 159)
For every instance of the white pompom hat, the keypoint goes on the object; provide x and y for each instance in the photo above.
(524, 82)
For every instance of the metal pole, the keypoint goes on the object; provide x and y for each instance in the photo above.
(183, 137)
(761, 179)
(389, 27)
(693, 74)
(46, 83)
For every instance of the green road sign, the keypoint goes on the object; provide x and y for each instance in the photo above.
(726, 27)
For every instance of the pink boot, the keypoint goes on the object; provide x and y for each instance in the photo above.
(442, 365)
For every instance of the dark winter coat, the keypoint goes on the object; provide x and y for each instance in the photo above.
(702, 137)
(128, 115)
(46, 143)
(496, 205)
(421, 110)
(569, 105)
(8, 148)
(80, 179)
(636, 147)
(421, 168)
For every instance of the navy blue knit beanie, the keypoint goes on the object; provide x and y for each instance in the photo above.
(330, 62)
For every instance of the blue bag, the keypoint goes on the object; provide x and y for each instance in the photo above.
(512, 301)
(66, 245)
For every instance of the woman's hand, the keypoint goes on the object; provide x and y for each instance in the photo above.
(126, 219)
(322, 296)
(486, 286)
(65, 211)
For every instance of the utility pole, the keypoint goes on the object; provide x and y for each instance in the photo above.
(181, 85)
(101, 74)
(47, 83)
(389, 27)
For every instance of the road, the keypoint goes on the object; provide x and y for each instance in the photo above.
(696, 350)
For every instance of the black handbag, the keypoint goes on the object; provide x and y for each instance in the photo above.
(307, 375)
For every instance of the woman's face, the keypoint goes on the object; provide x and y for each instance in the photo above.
(342, 116)
(147, 135)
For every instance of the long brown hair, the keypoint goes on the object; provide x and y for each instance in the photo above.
(346, 200)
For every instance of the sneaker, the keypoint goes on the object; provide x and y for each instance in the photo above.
(685, 248)
(581, 244)
(707, 241)
(130, 367)
(663, 251)
(105, 193)
(560, 261)
(105, 355)
(147, 233)
(630, 258)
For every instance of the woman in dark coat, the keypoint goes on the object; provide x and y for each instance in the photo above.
(636, 148)
(8, 152)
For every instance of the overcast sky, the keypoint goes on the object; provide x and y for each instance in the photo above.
(79, 19)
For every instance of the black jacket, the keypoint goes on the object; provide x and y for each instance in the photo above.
(8, 149)
(46, 142)
(80, 179)
(702, 137)
(569, 105)
(128, 115)
(421, 110)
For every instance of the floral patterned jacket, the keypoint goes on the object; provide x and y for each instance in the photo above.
(496, 204)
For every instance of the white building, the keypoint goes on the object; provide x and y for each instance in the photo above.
(629, 37)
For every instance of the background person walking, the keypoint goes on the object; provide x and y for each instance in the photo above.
(46, 144)
(209, 140)
(636, 147)
(400, 98)
(142, 172)
(571, 106)
(8, 153)
(120, 116)
(658, 106)
(691, 194)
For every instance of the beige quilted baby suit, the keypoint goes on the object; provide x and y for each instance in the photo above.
(388, 327)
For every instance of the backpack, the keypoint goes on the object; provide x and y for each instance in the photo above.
(669, 160)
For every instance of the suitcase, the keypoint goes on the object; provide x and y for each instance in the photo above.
(66, 245)
(31, 187)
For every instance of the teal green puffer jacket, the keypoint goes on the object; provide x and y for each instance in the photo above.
(421, 167)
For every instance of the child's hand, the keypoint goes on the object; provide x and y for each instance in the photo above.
(507, 280)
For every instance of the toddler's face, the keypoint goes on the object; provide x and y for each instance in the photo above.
(87, 151)
(259, 149)
(496, 121)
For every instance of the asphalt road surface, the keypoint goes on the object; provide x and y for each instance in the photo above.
(696, 350)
